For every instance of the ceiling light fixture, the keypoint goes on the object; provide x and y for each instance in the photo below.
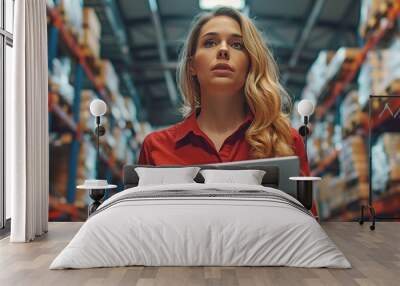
(212, 4)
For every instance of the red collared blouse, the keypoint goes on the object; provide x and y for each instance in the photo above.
(185, 144)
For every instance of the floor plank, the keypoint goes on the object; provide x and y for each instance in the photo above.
(374, 255)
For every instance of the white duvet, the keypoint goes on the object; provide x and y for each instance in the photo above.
(185, 231)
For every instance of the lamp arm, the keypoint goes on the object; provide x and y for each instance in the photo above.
(304, 131)
(305, 120)
(98, 144)
(306, 137)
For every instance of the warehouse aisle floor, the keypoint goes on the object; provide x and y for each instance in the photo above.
(375, 257)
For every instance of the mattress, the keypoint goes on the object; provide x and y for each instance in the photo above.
(201, 225)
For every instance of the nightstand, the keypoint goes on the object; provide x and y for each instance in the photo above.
(305, 189)
(97, 190)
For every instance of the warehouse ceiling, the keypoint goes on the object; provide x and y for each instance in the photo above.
(295, 30)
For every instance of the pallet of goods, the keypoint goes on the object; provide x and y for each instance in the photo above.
(108, 77)
(131, 109)
(86, 169)
(380, 167)
(380, 74)
(373, 14)
(342, 63)
(91, 35)
(391, 142)
(119, 109)
(59, 79)
(122, 139)
(72, 15)
(353, 159)
(317, 76)
(87, 120)
(59, 155)
(323, 138)
(329, 67)
(352, 114)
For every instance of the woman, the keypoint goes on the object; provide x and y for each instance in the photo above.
(232, 99)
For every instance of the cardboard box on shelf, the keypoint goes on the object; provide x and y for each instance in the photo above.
(131, 108)
(380, 72)
(391, 143)
(90, 44)
(385, 161)
(372, 12)
(91, 22)
(108, 77)
(122, 143)
(59, 171)
(342, 63)
(86, 168)
(87, 120)
(72, 13)
(351, 111)
(393, 87)
(353, 159)
(59, 78)
(317, 76)
(120, 104)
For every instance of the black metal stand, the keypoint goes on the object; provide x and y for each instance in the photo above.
(305, 193)
(98, 144)
(99, 131)
(369, 206)
(305, 187)
(97, 195)
(305, 131)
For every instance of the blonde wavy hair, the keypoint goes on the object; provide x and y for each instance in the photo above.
(269, 134)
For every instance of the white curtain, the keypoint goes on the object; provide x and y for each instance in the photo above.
(27, 140)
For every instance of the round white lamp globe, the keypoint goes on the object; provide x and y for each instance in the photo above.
(98, 107)
(305, 107)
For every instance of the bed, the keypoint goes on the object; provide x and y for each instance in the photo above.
(201, 224)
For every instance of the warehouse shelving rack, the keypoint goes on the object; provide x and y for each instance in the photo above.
(334, 91)
(328, 161)
(58, 30)
(338, 88)
(114, 41)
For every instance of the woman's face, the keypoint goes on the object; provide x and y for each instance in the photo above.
(221, 61)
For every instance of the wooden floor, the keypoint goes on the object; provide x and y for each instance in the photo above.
(375, 256)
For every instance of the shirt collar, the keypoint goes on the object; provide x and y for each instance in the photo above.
(189, 125)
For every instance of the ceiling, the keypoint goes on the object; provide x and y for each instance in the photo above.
(295, 30)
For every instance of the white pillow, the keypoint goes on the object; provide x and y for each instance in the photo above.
(163, 176)
(248, 177)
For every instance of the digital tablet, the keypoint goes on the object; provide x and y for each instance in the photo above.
(289, 166)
